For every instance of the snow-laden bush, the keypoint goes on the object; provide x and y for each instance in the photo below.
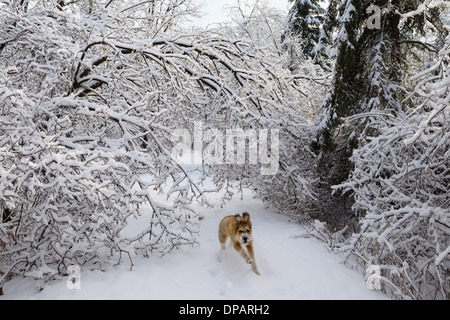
(401, 184)
(66, 197)
(71, 178)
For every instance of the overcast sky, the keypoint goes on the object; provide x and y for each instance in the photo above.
(214, 10)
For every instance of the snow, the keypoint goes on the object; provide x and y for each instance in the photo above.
(292, 266)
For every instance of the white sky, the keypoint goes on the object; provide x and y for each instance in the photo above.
(215, 10)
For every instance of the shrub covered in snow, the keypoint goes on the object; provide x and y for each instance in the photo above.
(401, 184)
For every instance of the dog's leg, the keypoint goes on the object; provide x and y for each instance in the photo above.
(251, 253)
(240, 250)
(222, 239)
(252, 256)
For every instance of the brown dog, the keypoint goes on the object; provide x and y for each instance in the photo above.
(239, 229)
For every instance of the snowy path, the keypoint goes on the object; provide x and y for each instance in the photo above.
(291, 267)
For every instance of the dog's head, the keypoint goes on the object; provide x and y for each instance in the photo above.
(243, 228)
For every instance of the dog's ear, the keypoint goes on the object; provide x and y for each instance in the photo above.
(246, 216)
(237, 221)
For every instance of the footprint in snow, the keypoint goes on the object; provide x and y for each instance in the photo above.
(213, 270)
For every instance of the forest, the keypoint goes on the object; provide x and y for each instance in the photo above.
(350, 97)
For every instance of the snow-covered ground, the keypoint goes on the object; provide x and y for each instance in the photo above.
(291, 266)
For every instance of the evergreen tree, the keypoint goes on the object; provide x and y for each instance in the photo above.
(305, 20)
(324, 44)
(372, 61)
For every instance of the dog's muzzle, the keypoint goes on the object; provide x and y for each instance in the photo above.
(245, 238)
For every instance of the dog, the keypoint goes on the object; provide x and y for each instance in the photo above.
(239, 229)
